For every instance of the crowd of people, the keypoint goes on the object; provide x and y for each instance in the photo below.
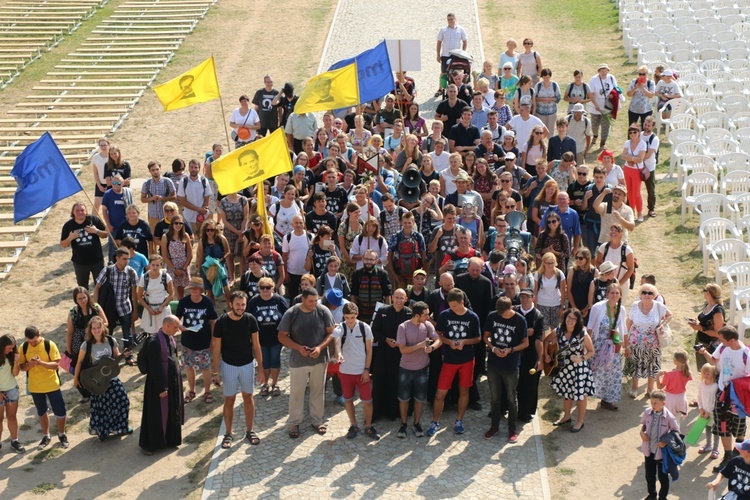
(512, 258)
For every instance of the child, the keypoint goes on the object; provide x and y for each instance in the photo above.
(674, 384)
(332, 278)
(473, 223)
(655, 423)
(706, 403)
(417, 291)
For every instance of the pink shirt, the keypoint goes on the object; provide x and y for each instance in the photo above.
(675, 382)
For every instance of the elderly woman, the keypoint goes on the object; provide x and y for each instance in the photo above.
(607, 327)
(710, 320)
(137, 229)
(614, 172)
(268, 307)
(574, 381)
(645, 318)
(551, 291)
(641, 93)
(633, 154)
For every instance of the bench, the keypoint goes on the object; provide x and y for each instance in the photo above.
(161, 14)
(38, 22)
(103, 65)
(167, 31)
(37, 130)
(18, 230)
(68, 147)
(136, 38)
(63, 120)
(121, 53)
(44, 111)
(86, 96)
(146, 22)
(81, 103)
(145, 81)
(100, 73)
(160, 60)
(13, 244)
(33, 137)
(125, 87)
(8, 261)
(129, 45)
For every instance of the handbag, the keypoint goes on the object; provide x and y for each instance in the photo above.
(665, 335)
(645, 173)
(66, 363)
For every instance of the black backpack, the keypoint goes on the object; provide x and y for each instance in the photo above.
(146, 279)
(585, 89)
(623, 261)
(107, 300)
(47, 347)
(656, 153)
(361, 332)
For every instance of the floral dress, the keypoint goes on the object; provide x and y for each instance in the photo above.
(574, 381)
(484, 184)
(349, 233)
(643, 340)
(607, 363)
(178, 255)
(109, 411)
(234, 214)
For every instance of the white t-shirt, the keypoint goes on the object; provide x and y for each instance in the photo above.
(440, 162)
(284, 217)
(450, 180)
(650, 162)
(245, 120)
(614, 176)
(156, 292)
(614, 255)
(732, 364)
(194, 194)
(523, 128)
(368, 243)
(598, 93)
(296, 247)
(353, 350)
(635, 152)
(99, 162)
(548, 294)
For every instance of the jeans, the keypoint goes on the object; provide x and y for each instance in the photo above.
(591, 230)
(653, 468)
(413, 383)
(126, 323)
(111, 247)
(503, 395)
(292, 288)
(271, 356)
(84, 270)
(298, 378)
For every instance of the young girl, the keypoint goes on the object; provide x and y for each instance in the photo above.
(332, 278)
(674, 384)
(658, 415)
(9, 370)
(706, 403)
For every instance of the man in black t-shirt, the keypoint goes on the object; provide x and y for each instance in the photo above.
(449, 110)
(459, 330)
(336, 198)
(505, 335)
(320, 216)
(83, 233)
(197, 313)
(236, 344)
(531, 358)
(263, 100)
(737, 471)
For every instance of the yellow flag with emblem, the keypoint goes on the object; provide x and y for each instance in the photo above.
(253, 163)
(330, 90)
(192, 87)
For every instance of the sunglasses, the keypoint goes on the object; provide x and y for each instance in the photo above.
(553, 221)
(528, 43)
(580, 257)
(115, 183)
(647, 293)
(642, 74)
(169, 210)
(538, 133)
(255, 223)
(583, 174)
(266, 287)
(506, 181)
(510, 207)
(178, 223)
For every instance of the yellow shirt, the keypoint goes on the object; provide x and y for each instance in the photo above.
(41, 380)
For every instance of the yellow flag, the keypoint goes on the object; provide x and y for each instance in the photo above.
(197, 85)
(261, 209)
(330, 90)
(252, 164)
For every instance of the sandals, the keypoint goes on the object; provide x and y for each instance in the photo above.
(226, 443)
(633, 393)
(189, 396)
(252, 437)
(264, 391)
(705, 449)
(320, 429)
(276, 392)
(208, 398)
(294, 431)
(714, 454)
(130, 361)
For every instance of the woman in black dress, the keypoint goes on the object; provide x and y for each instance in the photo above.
(710, 320)
(580, 277)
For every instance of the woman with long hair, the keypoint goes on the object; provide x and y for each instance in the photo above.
(321, 142)
(427, 170)
(212, 244)
(545, 199)
(370, 239)
(533, 149)
(415, 123)
(553, 240)
(551, 291)
(110, 410)
(409, 153)
(426, 214)
(708, 323)
(470, 162)
(607, 328)
(252, 236)
(529, 61)
(348, 230)
(233, 213)
(321, 247)
(524, 90)
(359, 137)
(177, 250)
(78, 317)
(574, 382)
(485, 183)
(9, 370)
(116, 165)
(580, 277)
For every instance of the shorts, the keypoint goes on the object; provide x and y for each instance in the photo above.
(237, 378)
(271, 356)
(55, 400)
(98, 193)
(197, 360)
(413, 383)
(349, 382)
(448, 373)
(444, 64)
(734, 425)
(11, 396)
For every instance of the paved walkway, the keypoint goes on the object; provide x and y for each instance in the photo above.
(444, 466)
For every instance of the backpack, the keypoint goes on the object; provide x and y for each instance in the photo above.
(648, 143)
(555, 87)
(146, 279)
(142, 360)
(288, 238)
(47, 347)
(107, 300)
(586, 121)
(558, 274)
(585, 90)
(409, 254)
(399, 210)
(361, 332)
(204, 183)
(278, 207)
(623, 261)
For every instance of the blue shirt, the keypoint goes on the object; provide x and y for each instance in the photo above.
(139, 263)
(479, 118)
(116, 205)
(571, 224)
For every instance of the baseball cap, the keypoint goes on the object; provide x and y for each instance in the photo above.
(667, 72)
(507, 65)
(621, 187)
(420, 271)
(510, 155)
(743, 446)
(527, 291)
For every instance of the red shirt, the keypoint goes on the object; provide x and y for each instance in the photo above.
(458, 256)
(675, 382)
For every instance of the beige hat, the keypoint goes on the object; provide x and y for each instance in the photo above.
(578, 108)
(607, 267)
(621, 187)
(195, 283)
(462, 176)
(602, 66)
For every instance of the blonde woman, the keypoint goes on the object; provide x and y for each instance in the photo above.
(641, 93)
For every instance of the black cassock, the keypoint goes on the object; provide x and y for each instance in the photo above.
(385, 361)
(161, 423)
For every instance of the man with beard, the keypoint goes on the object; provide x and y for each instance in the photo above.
(531, 357)
(161, 424)
(387, 356)
(370, 285)
(481, 293)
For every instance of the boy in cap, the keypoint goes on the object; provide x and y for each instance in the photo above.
(737, 472)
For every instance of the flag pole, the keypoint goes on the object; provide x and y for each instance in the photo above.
(96, 210)
(223, 119)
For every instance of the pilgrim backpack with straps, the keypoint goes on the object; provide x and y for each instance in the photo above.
(585, 90)
(555, 87)
(288, 238)
(278, 207)
(204, 183)
(146, 279)
(558, 274)
(361, 332)
(656, 153)
(409, 254)
(623, 261)
(47, 347)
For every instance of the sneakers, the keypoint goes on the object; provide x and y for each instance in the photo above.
(513, 437)
(418, 430)
(340, 400)
(371, 433)
(490, 433)
(17, 446)
(44, 443)
(401, 431)
(434, 426)
(458, 427)
(353, 431)
(64, 440)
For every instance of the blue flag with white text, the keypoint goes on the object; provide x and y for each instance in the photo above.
(43, 176)
(373, 71)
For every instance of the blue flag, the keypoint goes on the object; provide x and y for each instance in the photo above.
(43, 176)
(373, 71)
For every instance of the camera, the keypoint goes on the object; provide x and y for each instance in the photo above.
(698, 347)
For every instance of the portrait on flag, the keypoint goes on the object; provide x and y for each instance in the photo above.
(333, 89)
(192, 87)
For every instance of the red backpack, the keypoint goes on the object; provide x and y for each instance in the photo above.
(409, 255)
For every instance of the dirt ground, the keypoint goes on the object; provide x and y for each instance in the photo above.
(40, 284)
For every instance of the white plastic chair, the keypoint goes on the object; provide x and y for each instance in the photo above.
(733, 162)
(695, 185)
(720, 76)
(654, 56)
(681, 135)
(715, 133)
(704, 14)
(678, 106)
(714, 120)
(726, 252)
(728, 87)
(709, 67)
(733, 20)
(680, 153)
(743, 229)
(741, 302)
(737, 66)
(680, 55)
(710, 54)
(704, 105)
(713, 205)
(734, 184)
(687, 79)
(743, 136)
(741, 207)
(698, 90)
(735, 103)
(721, 147)
(738, 276)
(741, 119)
(711, 231)
(736, 53)
(698, 163)
(741, 27)
(686, 68)
(726, 36)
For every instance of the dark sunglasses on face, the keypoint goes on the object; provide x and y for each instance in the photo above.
(266, 287)
(645, 292)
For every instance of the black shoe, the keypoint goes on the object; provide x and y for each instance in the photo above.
(476, 405)
(352, 433)
(17, 446)
(402, 431)
(724, 461)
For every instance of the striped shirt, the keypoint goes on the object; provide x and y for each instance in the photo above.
(451, 38)
(122, 284)
(162, 187)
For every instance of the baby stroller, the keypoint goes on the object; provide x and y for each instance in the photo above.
(459, 63)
